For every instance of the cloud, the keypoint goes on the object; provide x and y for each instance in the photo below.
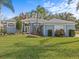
(62, 7)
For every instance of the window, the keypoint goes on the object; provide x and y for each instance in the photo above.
(10, 24)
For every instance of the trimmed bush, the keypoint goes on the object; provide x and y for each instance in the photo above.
(71, 33)
(59, 33)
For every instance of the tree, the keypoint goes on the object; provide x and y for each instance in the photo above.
(77, 8)
(64, 16)
(33, 14)
(41, 11)
(19, 24)
(7, 3)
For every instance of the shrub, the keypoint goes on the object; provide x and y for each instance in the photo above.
(62, 32)
(3, 31)
(71, 33)
(19, 24)
(59, 33)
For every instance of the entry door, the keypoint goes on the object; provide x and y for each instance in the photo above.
(27, 29)
(49, 32)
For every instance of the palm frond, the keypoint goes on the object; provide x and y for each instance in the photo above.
(69, 1)
(7, 3)
(77, 8)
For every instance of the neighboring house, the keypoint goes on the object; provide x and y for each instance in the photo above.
(44, 26)
(9, 26)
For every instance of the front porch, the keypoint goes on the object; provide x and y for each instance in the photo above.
(26, 27)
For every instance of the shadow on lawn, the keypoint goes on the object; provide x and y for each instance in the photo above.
(62, 43)
(35, 52)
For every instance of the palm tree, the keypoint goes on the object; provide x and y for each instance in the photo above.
(33, 14)
(7, 3)
(40, 13)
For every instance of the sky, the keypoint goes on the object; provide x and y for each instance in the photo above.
(54, 6)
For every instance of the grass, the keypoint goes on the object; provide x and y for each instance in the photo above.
(25, 47)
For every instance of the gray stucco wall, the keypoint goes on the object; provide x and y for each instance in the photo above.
(31, 28)
(46, 28)
(69, 27)
(66, 28)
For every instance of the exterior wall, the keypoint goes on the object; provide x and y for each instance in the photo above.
(31, 28)
(52, 27)
(69, 27)
(46, 28)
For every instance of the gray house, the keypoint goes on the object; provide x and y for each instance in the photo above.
(44, 26)
(9, 26)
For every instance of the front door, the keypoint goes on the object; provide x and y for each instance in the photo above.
(27, 29)
(49, 32)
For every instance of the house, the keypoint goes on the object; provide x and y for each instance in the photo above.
(48, 26)
(9, 26)
(44, 27)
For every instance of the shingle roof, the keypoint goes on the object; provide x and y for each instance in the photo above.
(50, 21)
(59, 21)
(32, 20)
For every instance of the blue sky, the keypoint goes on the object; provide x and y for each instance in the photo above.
(28, 5)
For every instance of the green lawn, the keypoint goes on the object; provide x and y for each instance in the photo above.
(24, 47)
